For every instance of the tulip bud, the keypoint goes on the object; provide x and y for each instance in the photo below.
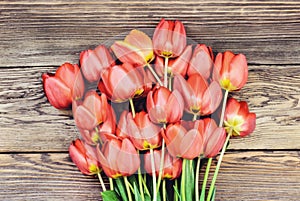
(65, 86)
(230, 70)
(136, 49)
(93, 62)
(238, 120)
(183, 143)
(169, 38)
(143, 133)
(171, 166)
(91, 112)
(200, 98)
(118, 158)
(201, 61)
(84, 157)
(160, 105)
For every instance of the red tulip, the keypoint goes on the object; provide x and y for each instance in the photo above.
(65, 86)
(200, 98)
(84, 157)
(183, 143)
(172, 166)
(231, 70)
(93, 62)
(238, 119)
(99, 133)
(175, 66)
(213, 136)
(121, 131)
(169, 38)
(201, 61)
(91, 112)
(136, 49)
(118, 158)
(123, 82)
(160, 105)
(143, 133)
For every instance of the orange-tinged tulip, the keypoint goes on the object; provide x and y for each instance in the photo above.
(85, 158)
(201, 61)
(91, 112)
(183, 143)
(121, 131)
(238, 119)
(136, 49)
(123, 82)
(171, 168)
(200, 98)
(65, 86)
(93, 62)
(175, 66)
(118, 158)
(143, 133)
(160, 105)
(231, 70)
(169, 38)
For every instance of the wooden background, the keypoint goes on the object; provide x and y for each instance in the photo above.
(38, 36)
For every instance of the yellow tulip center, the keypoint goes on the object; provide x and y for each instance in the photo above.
(235, 124)
(227, 85)
(94, 169)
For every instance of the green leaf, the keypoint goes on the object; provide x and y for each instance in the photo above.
(147, 197)
(110, 196)
(137, 194)
(177, 192)
(190, 180)
(213, 195)
(121, 188)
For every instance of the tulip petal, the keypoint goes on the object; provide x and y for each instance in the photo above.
(248, 125)
(238, 71)
(84, 118)
(191, 145)
(90, 65)
(211, 98)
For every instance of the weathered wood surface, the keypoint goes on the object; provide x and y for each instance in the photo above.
(29, 123)
(243, 176)
(38, 36)
(35, 33)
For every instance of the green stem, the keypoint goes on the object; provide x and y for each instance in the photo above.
(127, 188)
(161, 166)
(223, 108)
(195, 117)
(205, 179)
(213, 182)
(197, 179)
(164, 191)
(111, 184)
(153, 174)
(132, 107)
(101, 181)
(141, 184)
(166, 72)
(154, 74)
(170, 83)
(175, 194)
(145, 186)
(182, 186)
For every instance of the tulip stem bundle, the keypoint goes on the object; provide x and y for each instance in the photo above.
(153, 175)
(161, 165)
(111, 184)
(127, 188)
(202, 198)
(101, 181)
(197, 179)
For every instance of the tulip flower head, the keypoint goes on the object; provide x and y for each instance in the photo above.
(143, 133)
(118, 158)
(91, 112)
(171, 166)
(230, 70)
(238, 120)
(123, 82)
(93, 62)
(169, 38)
(182, 142)
(200, 98)
(65, 86)
(85, 158)
(160, 105)
(136, 49)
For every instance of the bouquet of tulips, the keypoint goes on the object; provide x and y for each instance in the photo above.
(152, 112)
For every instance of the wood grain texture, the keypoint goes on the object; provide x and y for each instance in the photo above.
(243, 176)
(29, 123)
(37, 33)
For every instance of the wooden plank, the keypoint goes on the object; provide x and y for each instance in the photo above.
(243, 176)
(29, 123)
(38, 33)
